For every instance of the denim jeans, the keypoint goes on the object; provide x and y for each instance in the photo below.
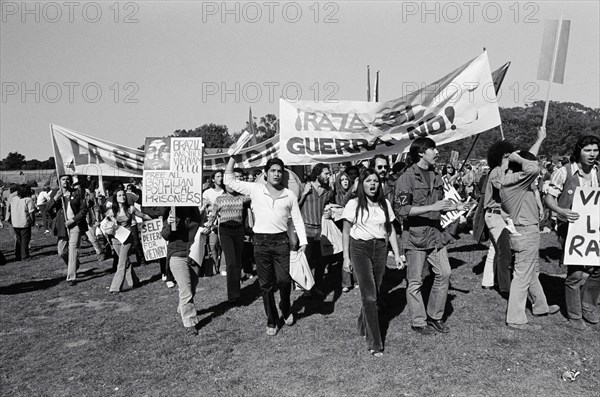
(368, 263)
(581, 292)
(272, 253)
(232, 243)
(526, 282)
(68, 250)
(499, 256)
(23, 235)
(186, 276)
(416, 261)
(124, 267)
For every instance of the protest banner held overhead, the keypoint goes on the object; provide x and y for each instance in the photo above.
(459, 105)
(172, 172)
(582, 246)
(153, 244)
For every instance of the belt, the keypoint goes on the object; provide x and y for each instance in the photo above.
(494, 211)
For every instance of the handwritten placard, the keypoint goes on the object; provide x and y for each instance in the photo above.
(582, 246)
(172, 172)
(153, 244)
(450, 193)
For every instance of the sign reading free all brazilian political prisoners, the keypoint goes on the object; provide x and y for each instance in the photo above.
(172, 172)
(582, 246)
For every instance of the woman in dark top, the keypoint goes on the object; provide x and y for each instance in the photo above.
(184, 269)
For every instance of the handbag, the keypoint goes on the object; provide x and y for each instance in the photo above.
(108, 226)
(300, 271)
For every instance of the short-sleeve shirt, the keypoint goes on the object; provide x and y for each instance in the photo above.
(371, 223)
(20, 208)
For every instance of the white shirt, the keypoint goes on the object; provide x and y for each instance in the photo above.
(271, 214)
(211, 195)
(371, 224)
(43, 198)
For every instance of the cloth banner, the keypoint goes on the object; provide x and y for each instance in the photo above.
(460, 104)
(582, 246)
(172, 172)
(153, 244)
(81, 154)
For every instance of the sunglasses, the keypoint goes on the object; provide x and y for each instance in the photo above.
(382, 167)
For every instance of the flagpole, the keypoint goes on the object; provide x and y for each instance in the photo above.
(368, 84)
(552, 71)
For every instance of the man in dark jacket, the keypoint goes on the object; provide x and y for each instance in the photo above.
(69, 223)
(419, 201)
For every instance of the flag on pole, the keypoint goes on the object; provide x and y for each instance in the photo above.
(251, 129)
(498, 76)
(554, 48)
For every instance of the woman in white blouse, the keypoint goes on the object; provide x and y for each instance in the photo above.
(367, 231)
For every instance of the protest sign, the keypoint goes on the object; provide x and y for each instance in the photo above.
(153, 244)
(172, 172)
(459, 105)
(450, 193)
(582, 246)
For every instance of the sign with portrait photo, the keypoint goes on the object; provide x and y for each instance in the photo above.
(172, 172)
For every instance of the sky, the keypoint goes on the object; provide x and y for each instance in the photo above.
(122, 71)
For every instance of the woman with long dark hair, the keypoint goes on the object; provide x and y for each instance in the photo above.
(367, 230)
(342, 187)
(123, 214)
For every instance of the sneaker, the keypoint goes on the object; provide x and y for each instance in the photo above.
(425, 330)
(271, 331)
(170, 284)
(552, 309)
(46, 232)
(524, 327)
(376, 353)
(289, 321)
(223, 273)
(164, 277)
(591, 317)
(578, 324)
(346, 289)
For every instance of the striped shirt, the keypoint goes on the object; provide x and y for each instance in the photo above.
(229, 209)
(314, 204)
(560, 176)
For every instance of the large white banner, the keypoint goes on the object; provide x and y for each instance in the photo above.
(582, 246)
(459, 105)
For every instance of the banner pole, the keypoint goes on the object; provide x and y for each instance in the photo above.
(546, 107)
(173, 224)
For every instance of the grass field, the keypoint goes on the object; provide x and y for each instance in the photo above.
(58, 340)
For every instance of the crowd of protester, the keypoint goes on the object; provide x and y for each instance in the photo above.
(387, 215)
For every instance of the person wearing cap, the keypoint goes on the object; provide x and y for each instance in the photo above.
(69, 223)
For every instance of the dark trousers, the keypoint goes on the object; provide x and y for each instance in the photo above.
(232, 244)
(316, 260)
(46, 221)
(165, 270)
(272, 253)
(504, 253)
(368, 262)
(23, 235)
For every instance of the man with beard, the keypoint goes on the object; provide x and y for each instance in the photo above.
(581, 292)
(316, 195)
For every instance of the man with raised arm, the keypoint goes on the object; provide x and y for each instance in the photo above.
(272, 205)
(520, 200)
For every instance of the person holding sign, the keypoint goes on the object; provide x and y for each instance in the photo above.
(520, 202)
(419, 201)
(272, 205)
(581, 293)
(123, 215)
(367, 229)
(185, 270)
